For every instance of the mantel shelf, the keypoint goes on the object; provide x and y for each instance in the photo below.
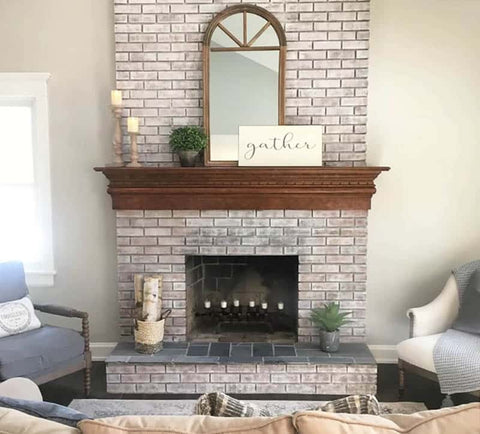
(201, 188)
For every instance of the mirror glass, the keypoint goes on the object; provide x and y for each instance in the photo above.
(244, 80)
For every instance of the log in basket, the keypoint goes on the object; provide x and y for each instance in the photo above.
(149, 334)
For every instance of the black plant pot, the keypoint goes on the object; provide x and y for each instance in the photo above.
(329, 341)
(188, 158)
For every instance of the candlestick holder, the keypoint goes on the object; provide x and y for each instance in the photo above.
(133, 150)
(117, 136)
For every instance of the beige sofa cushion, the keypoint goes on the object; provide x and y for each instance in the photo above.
(188, 425)
(464, 419)
(13, 421)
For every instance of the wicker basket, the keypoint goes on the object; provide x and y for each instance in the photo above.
(149, 336)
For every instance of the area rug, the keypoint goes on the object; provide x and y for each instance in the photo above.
(97, 408)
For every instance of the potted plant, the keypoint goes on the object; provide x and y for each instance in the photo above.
(187, 142)
(329, 319)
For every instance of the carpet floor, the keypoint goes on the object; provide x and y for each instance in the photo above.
(97, 408)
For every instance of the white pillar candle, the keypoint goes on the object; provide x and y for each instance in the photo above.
(251, 303)
(208, 304)
(132, 125)
(264, 306)
(223, 304)
(280, 306)
(116, 98)
(236, 303)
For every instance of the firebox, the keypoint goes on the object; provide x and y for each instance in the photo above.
(242, 298)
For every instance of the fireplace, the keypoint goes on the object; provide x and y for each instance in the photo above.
(242, 298)
(172, 221)
(226, 255)
(328, 245)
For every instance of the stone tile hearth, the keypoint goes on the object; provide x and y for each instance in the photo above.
(242, 368)
(233, 352)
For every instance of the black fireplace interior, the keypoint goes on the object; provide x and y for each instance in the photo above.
(242, 298)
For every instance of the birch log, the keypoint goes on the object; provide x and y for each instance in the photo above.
(138, 286)
(150, 299)
(160, 290)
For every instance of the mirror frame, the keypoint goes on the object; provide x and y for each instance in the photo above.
(282, 49)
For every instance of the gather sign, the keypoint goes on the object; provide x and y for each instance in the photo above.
(283, 145)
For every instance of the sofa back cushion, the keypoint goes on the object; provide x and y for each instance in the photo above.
(188, 425)
(12, 281)
(13, 421)
(464, 419)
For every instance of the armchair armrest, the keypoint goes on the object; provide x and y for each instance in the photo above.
(69, 313)
(60, 311)
(438, 315)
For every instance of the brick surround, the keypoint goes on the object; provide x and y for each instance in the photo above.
(331, 248)
(320, 379)
(159, 68)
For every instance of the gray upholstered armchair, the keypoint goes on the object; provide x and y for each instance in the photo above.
(45, 353)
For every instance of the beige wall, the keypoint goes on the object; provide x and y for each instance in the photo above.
(424, 122)
(73, 40)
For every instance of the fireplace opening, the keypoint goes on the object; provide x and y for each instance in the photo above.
(242, 298)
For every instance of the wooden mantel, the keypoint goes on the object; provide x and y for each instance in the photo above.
(203, 188)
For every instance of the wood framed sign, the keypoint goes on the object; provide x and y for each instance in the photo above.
(283, 145)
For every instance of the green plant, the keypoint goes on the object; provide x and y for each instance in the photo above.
(189, 138)
(329, 317)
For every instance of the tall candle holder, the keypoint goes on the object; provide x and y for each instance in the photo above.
(117, 136)
(133, 150)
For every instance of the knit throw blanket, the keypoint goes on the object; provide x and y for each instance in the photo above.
(457, 354)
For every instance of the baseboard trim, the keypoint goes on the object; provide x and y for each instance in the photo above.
(101, 350)
(382, 353)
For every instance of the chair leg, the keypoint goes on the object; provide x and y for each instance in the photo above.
(86, 381)
(401, 380)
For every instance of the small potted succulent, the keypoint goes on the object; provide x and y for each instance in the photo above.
(329, 319)
(187, 142)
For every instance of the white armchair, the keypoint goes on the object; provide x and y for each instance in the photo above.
(427, 323)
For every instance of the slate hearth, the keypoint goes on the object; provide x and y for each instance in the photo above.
(183, 367)
(230, 353)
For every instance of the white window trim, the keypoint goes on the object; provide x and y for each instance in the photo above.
(34, 87)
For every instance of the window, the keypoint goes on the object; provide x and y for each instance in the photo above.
(25, 217)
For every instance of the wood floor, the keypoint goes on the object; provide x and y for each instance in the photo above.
(62, 391)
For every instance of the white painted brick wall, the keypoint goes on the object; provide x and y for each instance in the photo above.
(158, 63)
(331, 246)
(338, 379)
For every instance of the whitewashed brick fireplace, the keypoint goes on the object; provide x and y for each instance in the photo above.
(165, 214)
(331, 249)
(158, 63)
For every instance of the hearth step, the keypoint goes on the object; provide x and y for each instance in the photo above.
(242, 368)
(225, 352)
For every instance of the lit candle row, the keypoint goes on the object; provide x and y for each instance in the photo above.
(117, 100)
(236, 303)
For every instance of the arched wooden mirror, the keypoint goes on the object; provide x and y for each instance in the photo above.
(243, 77)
